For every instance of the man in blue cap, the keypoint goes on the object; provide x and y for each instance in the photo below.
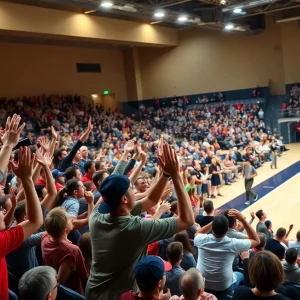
(120, 236)
(150, 277)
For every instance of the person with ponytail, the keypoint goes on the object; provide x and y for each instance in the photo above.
(68, 198)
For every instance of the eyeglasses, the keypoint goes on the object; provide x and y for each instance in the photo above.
(57, 285)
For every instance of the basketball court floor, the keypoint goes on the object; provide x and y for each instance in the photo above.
(278, 190)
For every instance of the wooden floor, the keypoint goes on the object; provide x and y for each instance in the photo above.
(282, 203)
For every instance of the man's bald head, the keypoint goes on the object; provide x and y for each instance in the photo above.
(191, 284)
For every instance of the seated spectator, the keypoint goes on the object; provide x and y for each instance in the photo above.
(274, 244)
(85, 247)
(192, 286)
(266, 274)
(291, 267)
(89, 168)
(59, 253)
(216, 253)
(149, 274)
(295, 244)
(174, 255)
(188, 259)
(39, 283)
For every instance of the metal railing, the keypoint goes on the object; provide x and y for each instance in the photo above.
(288, 113)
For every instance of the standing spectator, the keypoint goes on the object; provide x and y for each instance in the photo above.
(216, 253)
(12, 238)
(210, 213)
(274, 244)
(249, 173)
(174, 255)
(38, 284)
(215, 178)
(114, 222)
(261, 226)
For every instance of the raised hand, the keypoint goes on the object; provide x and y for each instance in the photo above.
(165, 296)
(169, 163)
(164, 206)
(90, 125)
(244, 254)
(23, 169)
(89, 197)
(252, 215)
(236, 213)
(217, 212)
(55, 133)
(44, 160)
(12, 131)
(144, 157)
(160, 146)
(12, 195)
(45, 144)
(167, 192)
(129, 146)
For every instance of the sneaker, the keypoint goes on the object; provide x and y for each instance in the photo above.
(212, 197)
(228, 183)
(256, 198)
(247, 202)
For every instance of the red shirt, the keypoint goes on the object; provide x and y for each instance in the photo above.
(131, 295)
(297, 127)
(10, 240)
(85, 178)
(54, 254)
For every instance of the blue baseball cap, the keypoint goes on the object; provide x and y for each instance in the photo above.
(56, 173)
(268, 223)
(112, 189)
(149, 271)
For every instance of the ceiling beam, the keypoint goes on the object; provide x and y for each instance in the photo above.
(265, 12)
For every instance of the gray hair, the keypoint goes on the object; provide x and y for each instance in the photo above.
(37, 283)
(190, 283)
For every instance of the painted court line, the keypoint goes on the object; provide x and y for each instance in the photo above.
(266, 187)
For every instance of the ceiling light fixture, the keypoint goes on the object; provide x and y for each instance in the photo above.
(159, 14)
(237, 10)
(89, 11)
(223, 2)
(107, 4)
(229, 26)
(182, 18)
(155, 22)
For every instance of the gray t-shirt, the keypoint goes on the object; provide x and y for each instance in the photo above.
(293, 244)
(215, 258)
(249, 171)
(117, 245)
(261, 227)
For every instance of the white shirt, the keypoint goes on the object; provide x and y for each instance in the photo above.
(215, 258)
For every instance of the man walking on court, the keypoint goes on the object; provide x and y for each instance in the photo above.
(249, 173)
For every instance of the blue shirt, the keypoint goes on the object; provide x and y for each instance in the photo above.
(172, 280)
(23, 258)
(72, 206)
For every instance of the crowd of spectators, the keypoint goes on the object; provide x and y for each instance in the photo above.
(111, 208)
(292, 108)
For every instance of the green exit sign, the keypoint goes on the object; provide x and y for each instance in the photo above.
(105, 92)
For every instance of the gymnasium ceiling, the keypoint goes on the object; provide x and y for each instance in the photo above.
(209, 14)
